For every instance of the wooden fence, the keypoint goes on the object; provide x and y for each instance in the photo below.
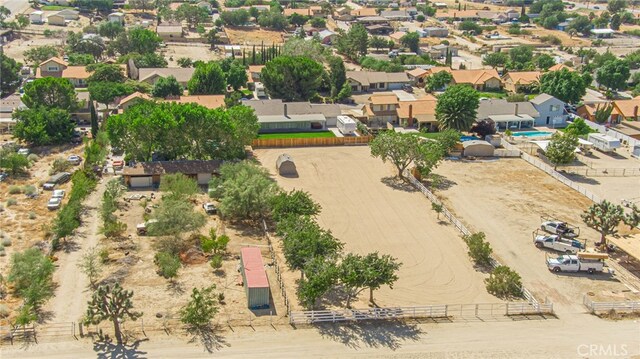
(604, 307)
(310, 142)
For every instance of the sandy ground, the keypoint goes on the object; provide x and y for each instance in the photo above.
(16, 48)
(195, 52)
(253, 36)
(366, 209)
(505, 199)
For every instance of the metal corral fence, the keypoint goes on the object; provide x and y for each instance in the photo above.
(310, 142)
(602, 172)
(502, 152)
(604, 307)
(429, 311)
(276, 267)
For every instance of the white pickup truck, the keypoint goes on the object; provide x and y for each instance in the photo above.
(560, 228)
(582, 262)
(557, 243)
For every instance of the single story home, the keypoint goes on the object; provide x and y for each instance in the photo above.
(602, 33)
(480, 79)
(588, 111)
(519, 81)
(57, 20)
(116, 17)
(327, 37)
(417, 76)
(131, 100)
(170, 31)
(149, 174)
(275, 115)
(627, 110)
(435, 32)
(396, 15)
(508, 115)
(363, 12)
(152, 75)
(397, 37)
(558, 67)
(440, 51)
(69, 14)
(36, 17)
(364, 81)
(551, 111)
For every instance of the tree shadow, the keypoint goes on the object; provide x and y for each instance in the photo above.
(388, 334)
(338, 297)
(69, 246)
(175, 287)
(439, 182)
(45, 316)
(208, 337)
(246, 229)
(398, 184)
(579, 178)
(107, 349)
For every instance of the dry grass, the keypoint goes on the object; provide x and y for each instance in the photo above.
(253, 36)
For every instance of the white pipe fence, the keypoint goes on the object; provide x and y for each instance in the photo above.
(603, 307)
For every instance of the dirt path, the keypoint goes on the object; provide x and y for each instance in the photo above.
(72, 293)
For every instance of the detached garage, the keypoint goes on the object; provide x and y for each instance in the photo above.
(149, 174)
(285, 166)
(477, 148)
(255, 280)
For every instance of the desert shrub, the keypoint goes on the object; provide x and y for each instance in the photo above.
(11, 202)
(4, 311)
(172, 245)
(15, 189)
(32, 215)
(551, 39)
(216, 261)
(6, 242)
(104, 255)
(479, 250)
(59, 165)
(29, 190)
(1, 208)
(168, 264)
(503, 282)
(33, 157)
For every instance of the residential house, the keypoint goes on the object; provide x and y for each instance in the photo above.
(364, 12)
(253, 73)
(629, 128)
(208, 101)
(558, 67)
(364, 81)
(149, 174)
(417, 76)
(312, 11)
(131, 100)
(381, 110)
(82, 115)
(434, 32)
(508, 115)
(372, 20)
(396, 15)
(56, 19)
(170, 31)
(8, 106)
(440, 51)
(551, 111)
(421, 112)
(377, 3)
(327, 37)
(602, 33)
(232, 50)
(479, 79)
(462, 15)
(382, 29)
(588, 111)
(117, 17)
(343, 14)
(627, 110)
(276, 116)
(562, 26)
(56, 67)
(69, 14)
(36, 17)
(520, 81)
(397, 36)
(152, 75)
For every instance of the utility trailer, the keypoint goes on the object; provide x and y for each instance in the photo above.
(561, 228)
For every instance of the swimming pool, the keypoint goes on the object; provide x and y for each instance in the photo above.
(468, 138)
(531, 133)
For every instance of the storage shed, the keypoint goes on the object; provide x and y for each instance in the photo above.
(256, 284)
(477, 148)
(285, 166)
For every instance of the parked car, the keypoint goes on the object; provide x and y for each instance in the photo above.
(210, 208)
(54, 203)
(24, 151)
(581, 262)
(56, 179)
(59, 193)
(557, 243)
(142, 228)
(75, 159)
(561, 228)
(407, 88)
(3, 176)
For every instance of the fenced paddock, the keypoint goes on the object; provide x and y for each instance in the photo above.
(605, 307)
(310, 142)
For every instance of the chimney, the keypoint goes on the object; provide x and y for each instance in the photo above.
(410, 122)
(635, 112)
(285, 110)
(516, 110)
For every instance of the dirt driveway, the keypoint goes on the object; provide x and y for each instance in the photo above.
(364, 208)
(505, 199)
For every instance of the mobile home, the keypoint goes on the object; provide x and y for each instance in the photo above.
(603, 142)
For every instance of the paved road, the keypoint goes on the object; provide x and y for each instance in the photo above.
(15, 6)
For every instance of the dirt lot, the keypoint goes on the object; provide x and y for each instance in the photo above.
(195, 52)
(253, 36)
(366, 209)
(16, 48)
(505, 199)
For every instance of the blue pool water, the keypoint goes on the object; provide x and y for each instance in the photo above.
(531, 133)
(468, 138)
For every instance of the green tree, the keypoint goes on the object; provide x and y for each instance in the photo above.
(179, 187)
(295, 203)
(237, 76)
(201, 308)
(217, 244)
(94, 119)
(470, 26)
(605, 217)
(292, 78)
(579, 128)
(245, 191)
(613, 74)
(76, 59)
(175, 217)
(31, 274)
(503, 282)
(520, 55)
(166, 86)
(193, 15)
(567, 86)
(321, 277)
(412, 41)
(144, 60)
(457, 107)
(37, 55)
(603, 114)
(297, 19)
(168, 264)
(138, 40)
(616, 6)
(495, 59)
(143, 5)
(106, 92)
(479, 250)
(50, 92)
(378, 42)
(616, 21)
(318, 22)
(403, 149)
(372, 271)
(185, 62)
(13, 163)
(41, 126)
(9, 75)
(561, 148)
(111, 303)
(91, 265)
(208, 79)
(437, 207)
(273, 19)
(337, 74)
(106, 73)
(353, 43)
(235, 18)
(544, 61)
(438, 81)
(110, 29)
